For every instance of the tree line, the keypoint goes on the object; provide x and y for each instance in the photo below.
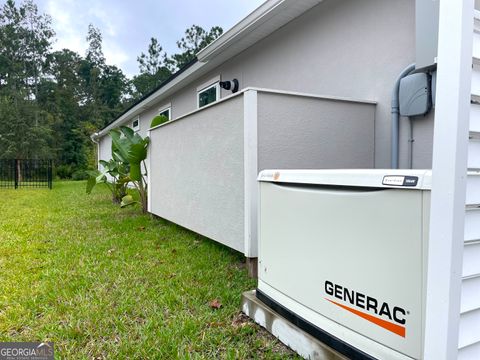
(51, 101)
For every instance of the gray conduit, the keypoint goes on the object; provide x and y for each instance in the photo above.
(396, 114)
(410, 143)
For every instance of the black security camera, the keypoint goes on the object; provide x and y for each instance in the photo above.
(230, 85)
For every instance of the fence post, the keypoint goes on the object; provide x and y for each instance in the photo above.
(49, 174)
(15, 171)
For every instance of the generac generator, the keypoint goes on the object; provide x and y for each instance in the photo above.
(342, 254)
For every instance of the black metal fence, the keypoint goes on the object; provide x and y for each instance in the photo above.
(30, 173)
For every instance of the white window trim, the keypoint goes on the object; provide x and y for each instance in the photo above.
(165, 108)
(215, 85)
(136, 128)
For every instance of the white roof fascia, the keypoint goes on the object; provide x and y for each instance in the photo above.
(240, 28)
(285, 10)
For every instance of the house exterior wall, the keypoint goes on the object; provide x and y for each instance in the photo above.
(196, 176)
(328, 134)
(342, 48)
(147, 116)
(338, 48)
(105, 148)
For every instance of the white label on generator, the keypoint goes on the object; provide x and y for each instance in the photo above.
(393, 180)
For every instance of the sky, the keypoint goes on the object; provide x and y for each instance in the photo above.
(127, 26)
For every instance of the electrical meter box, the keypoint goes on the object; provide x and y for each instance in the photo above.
(414, 95)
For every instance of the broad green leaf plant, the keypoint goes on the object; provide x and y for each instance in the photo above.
(130, 148)
(114, 175)
(158, 120)
(129, 152)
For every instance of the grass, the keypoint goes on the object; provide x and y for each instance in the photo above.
(108, 283)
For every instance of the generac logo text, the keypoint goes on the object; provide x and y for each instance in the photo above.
(396, 322)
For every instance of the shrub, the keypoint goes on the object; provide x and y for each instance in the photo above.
(64, 171)
(80, 175)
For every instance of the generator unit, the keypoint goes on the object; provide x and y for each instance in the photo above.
(342, 255)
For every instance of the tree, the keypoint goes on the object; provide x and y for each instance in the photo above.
(60, 95)
(156, 67)
(153, 61)
(104, 87)
(94, 54)
(25, 38)
(90, 71)
(153, 69)
(80, 96)
(196, 38)
(113, 87)
(50, 102)
(19, 138)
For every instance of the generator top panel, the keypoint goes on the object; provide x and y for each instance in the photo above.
(379, 178)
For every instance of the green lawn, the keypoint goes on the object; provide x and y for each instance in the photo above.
(104, 282)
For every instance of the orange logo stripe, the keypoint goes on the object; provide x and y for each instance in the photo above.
(397, 329)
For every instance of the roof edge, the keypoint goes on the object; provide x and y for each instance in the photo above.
(243, 26)
(152, 94)
(251, 22)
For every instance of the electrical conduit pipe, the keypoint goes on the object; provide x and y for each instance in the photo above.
(396, 114)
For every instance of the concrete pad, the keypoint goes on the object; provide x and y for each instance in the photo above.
(295, 338)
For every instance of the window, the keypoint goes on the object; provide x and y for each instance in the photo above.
(136, 124)
(165, 112)
(208, 95)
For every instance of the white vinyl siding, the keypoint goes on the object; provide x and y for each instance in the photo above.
(469, 328)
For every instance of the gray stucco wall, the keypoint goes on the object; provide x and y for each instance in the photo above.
(147, 116)
(422, 136)
(296, 132)
(197, 172)
(341, 47)
(345, 48)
